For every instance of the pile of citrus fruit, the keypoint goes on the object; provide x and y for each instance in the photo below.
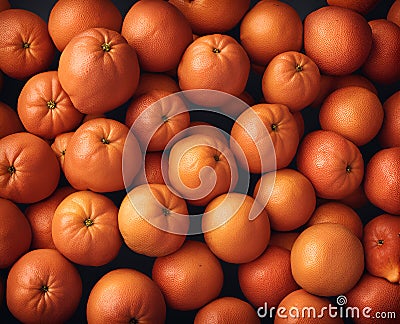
(203, 161)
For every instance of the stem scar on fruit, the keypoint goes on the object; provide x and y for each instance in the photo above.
(166, 211)
(11, 169)
(105, 141)
(106, 47)
(216, 50)
(299, 68)
(348, 169)
(274, 127)
(44, 288)
(380, 242)
(88, 222)
(51, 104)
(164, 118)
(26, 45)
(133, 321)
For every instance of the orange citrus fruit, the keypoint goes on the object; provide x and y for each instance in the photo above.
(68, 18)
(15, 233)
(270, 28)
(227, 310)
(271, 269)
(210, 16)
(236, 228)
(337, 39)
(29, 170)
(193, 268)
(27, 47)
(382, 182)
(99, 70)
(287, 196)
(85, 228)
(160, 38)
(43, 286)
(327, 259)
(353, 112)
(333, 164)
(44, 107)
(159, 226)
(9, 121)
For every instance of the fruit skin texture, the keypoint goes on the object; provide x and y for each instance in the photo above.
(264, 138)
(40, 216)
(227, 310)
(272, 270)
(98, 70)
(389, 135)
(201, 168)
(94, 155)
(160, 38)
(353, 112)
(15, 233)
(43, 287)
(44, 107)
(393, 14)
(337, 213)
(331, 83)
(193, 268)
(302, 300)
(291, 79)
(152, 220)
(327, 259)
(155, 120)
(85, 228)
(357, 199)
(29, 170)
(206, 129)
(287, 196)
(59, 147)
(354, 79)
(9, 121)
(381, 183)
(125, 295)
(376, 293)
(155, 81)
(327, 86)
(69, 18)
(283, 239)
(234, 108)
(216, 62)
(20, 60)
(236, 228)
(361, 6)
(337, 39)
(382, 65)
(382, 247)
(154, 164)
(333, 164)
(210, 16)
(270, 28)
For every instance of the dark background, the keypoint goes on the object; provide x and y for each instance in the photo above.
(129, 259)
